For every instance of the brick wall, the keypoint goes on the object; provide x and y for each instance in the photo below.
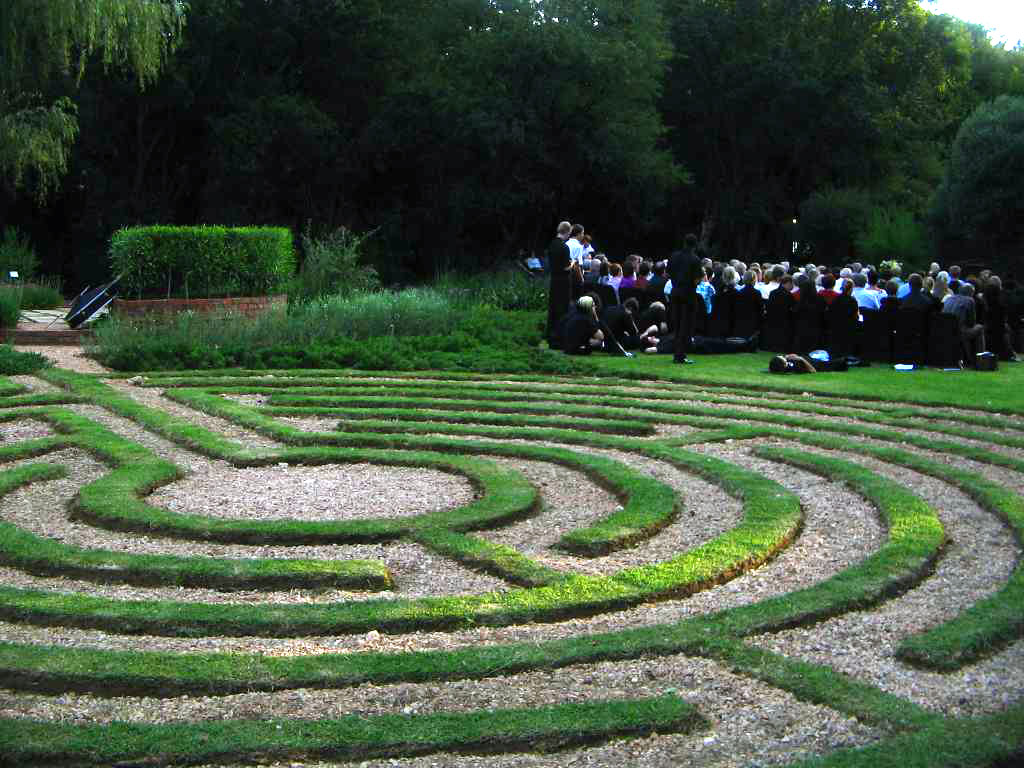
(244, 305)
(29, 337)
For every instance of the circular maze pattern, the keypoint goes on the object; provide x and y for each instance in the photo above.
(643, 574)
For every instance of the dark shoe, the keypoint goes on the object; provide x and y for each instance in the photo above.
(682, 361)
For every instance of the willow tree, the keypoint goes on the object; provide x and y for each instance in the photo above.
(46, 44)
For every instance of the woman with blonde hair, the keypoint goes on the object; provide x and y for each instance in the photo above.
(940, 290)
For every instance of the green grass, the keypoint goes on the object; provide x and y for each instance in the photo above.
(771, 518)
(348, 738)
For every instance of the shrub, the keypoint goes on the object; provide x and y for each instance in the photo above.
(14, 363)
(17, 255)
(179, 261)
(893, 236)
(415, 329)
(10, 306)
(830, 221)
(43, 293)
(331, 266)
(508, 289)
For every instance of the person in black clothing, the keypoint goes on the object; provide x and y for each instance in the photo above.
(997, 330)
(917, 298)
(654, 320)
(619, 322)
(891, 301)
(809, 331)
(684, 270)
(778, 325)
(842, 318)
(582, 331)
(560, 292)
(748, 308)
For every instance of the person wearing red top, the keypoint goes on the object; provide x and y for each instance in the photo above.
(828, 292)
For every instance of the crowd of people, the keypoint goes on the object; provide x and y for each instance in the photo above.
(691, 303)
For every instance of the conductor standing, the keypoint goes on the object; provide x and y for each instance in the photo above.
(684, 269)
(560, 290)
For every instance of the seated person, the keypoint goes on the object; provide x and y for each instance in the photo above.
(654, 320)
(972, 333)
(890, 302)
(582, 333)
(828, 292)
(643, 275)
(628, 275)
(790, 364)
(619, 325)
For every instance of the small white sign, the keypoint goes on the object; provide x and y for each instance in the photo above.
(14, 275)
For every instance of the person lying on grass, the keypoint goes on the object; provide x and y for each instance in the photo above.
(790, 364)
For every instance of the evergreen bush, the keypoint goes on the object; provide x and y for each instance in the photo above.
(165, 262)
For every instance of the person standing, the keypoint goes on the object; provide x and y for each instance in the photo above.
(684, 270)
(560, 293)
(577, 255)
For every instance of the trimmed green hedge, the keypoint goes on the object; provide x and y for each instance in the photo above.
(160, 262)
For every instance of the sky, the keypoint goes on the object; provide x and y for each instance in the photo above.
(1004, 18)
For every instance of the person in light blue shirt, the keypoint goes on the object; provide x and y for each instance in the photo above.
(866, 299)
(706, 290)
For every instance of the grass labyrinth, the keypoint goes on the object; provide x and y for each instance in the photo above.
(647, 573)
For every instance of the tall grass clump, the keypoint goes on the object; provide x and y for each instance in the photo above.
(17, 255)
(331, 267)
(507, 289)
(10, 306)
(42, 293)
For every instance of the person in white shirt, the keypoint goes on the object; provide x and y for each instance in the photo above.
(773, 283)
(866, 299)
(575, 243)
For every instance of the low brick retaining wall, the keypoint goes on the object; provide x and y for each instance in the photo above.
(244, 305)
(44, 338)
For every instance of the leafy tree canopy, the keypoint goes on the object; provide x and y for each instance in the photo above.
(43, 39)
(980, 202)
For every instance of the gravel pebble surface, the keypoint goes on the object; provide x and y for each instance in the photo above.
(154, 399)
(324, 492)
(70, 357)
(417, 573)
(748, 719)
(979, 558)
(839, 530)
(751, 723)
(834, 423)
(24, 429)
(706, 512)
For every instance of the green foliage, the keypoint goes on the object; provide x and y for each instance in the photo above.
(15, 363)
(43, 293)
(183, 261)
(43, 38)
(893, 235)
(17, 254)
(331, 267)
(980, 202)
(509, 289)
(10, 306)
(830, 221)
(415, 329)
(35, 145)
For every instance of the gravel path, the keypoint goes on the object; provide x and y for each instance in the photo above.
(749, 720)
(751, 723)
(839, 530)
(324, 492)
(979, 558)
